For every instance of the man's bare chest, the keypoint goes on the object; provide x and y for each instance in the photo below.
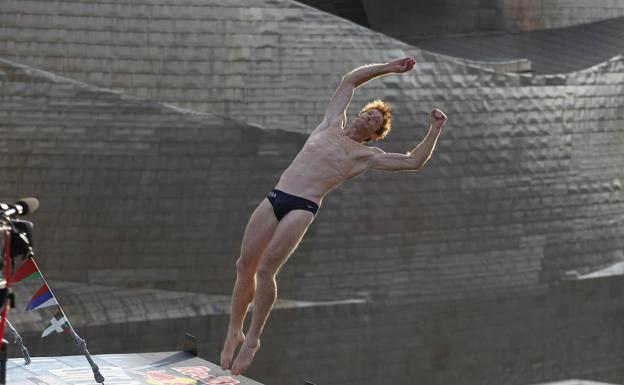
(334, 148)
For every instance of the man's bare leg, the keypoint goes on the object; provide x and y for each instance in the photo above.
(258, 233)
(287, 236)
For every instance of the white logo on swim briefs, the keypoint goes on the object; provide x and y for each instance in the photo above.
(272, 194)
(310, 206)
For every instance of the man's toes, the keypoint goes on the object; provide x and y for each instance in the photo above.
(229, 346)
(225, 361)
(226, 357)
(237, 369)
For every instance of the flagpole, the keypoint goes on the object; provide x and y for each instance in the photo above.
(79, 342)
(17, 339)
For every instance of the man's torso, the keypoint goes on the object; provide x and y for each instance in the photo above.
(327, 159)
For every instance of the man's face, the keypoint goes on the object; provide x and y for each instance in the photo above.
(369, 122)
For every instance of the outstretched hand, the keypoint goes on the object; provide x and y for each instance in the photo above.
(401, 65)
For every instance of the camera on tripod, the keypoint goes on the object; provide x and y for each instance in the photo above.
(16, 246)
(20, 248)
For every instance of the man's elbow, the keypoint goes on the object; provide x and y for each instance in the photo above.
(417, 167)
(417, 164)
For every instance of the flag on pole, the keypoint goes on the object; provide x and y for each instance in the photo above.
(42, 298)
(58, 324)
(27, 271)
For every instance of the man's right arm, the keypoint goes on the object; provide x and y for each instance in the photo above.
(414, 160)
(344, 93)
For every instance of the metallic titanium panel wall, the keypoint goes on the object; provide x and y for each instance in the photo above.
(459, 261)
(523, 15)
(349, 9)
(137, 194)
(406, 19)
(273, 63)
(462, 261)
(551, 51)
(529, 166)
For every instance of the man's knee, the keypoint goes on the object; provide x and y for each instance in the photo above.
(244, 267)
(266, 273)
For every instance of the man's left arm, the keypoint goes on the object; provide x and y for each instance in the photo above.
(350, 82)
(415, 159)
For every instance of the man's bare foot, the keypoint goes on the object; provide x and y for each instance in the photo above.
(437, 118)
(245, 356)
(231, 343)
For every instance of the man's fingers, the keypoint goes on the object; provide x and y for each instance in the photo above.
(404, 64)
(437, 114)
(408, 64)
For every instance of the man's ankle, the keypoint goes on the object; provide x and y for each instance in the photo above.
(252, 342)
(235, 333)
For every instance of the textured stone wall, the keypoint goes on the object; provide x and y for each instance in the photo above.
(465, 265)
(405, 19)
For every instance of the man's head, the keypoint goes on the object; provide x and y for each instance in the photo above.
(374, 120)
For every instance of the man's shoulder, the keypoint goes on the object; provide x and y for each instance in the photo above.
(331, 125)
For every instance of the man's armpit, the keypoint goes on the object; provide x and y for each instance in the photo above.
(393, 162)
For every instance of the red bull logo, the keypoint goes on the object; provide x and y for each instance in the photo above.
(200, 373)
(160, 377)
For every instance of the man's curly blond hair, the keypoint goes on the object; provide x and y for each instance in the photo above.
(386, 112)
